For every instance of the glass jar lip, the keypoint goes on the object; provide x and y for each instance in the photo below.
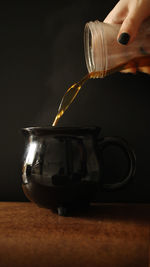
(88, 49)
(95, 48)
(51, 130)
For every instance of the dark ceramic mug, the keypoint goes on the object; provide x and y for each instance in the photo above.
(62, 166)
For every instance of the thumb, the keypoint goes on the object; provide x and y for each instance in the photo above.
(129, 28)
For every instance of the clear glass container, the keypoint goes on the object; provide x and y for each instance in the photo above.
(104, 54)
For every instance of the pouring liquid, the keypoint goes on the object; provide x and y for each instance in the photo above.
(141, 63)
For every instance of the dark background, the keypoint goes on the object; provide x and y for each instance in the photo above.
(41, 55)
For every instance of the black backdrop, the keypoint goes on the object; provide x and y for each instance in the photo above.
(41, 55)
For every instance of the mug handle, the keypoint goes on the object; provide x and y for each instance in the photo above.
(128, 151)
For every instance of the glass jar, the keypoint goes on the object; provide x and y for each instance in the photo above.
(104, 54)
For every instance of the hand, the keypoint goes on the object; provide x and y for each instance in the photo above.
(129, 13)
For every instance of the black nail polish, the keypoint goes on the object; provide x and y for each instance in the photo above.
(124, 38)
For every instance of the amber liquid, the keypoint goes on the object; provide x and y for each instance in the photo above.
(137, 64)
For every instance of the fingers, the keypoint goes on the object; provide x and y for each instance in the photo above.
(142, 65)
(138, 10)
(129, 14)
(129, 70)
(145, 69)
(129, 28)
(118, 13)
(139, 69)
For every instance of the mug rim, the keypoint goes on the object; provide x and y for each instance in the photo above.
(61, 130)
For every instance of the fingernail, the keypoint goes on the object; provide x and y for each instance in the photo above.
(124, 38)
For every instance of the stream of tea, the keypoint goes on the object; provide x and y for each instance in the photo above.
(137, 64)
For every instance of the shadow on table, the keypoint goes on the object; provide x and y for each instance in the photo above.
(114, 212)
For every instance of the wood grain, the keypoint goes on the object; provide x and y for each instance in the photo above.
(107, 235)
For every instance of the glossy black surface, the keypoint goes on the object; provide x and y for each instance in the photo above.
(63, 165)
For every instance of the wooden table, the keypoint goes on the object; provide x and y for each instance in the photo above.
(107, 235)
